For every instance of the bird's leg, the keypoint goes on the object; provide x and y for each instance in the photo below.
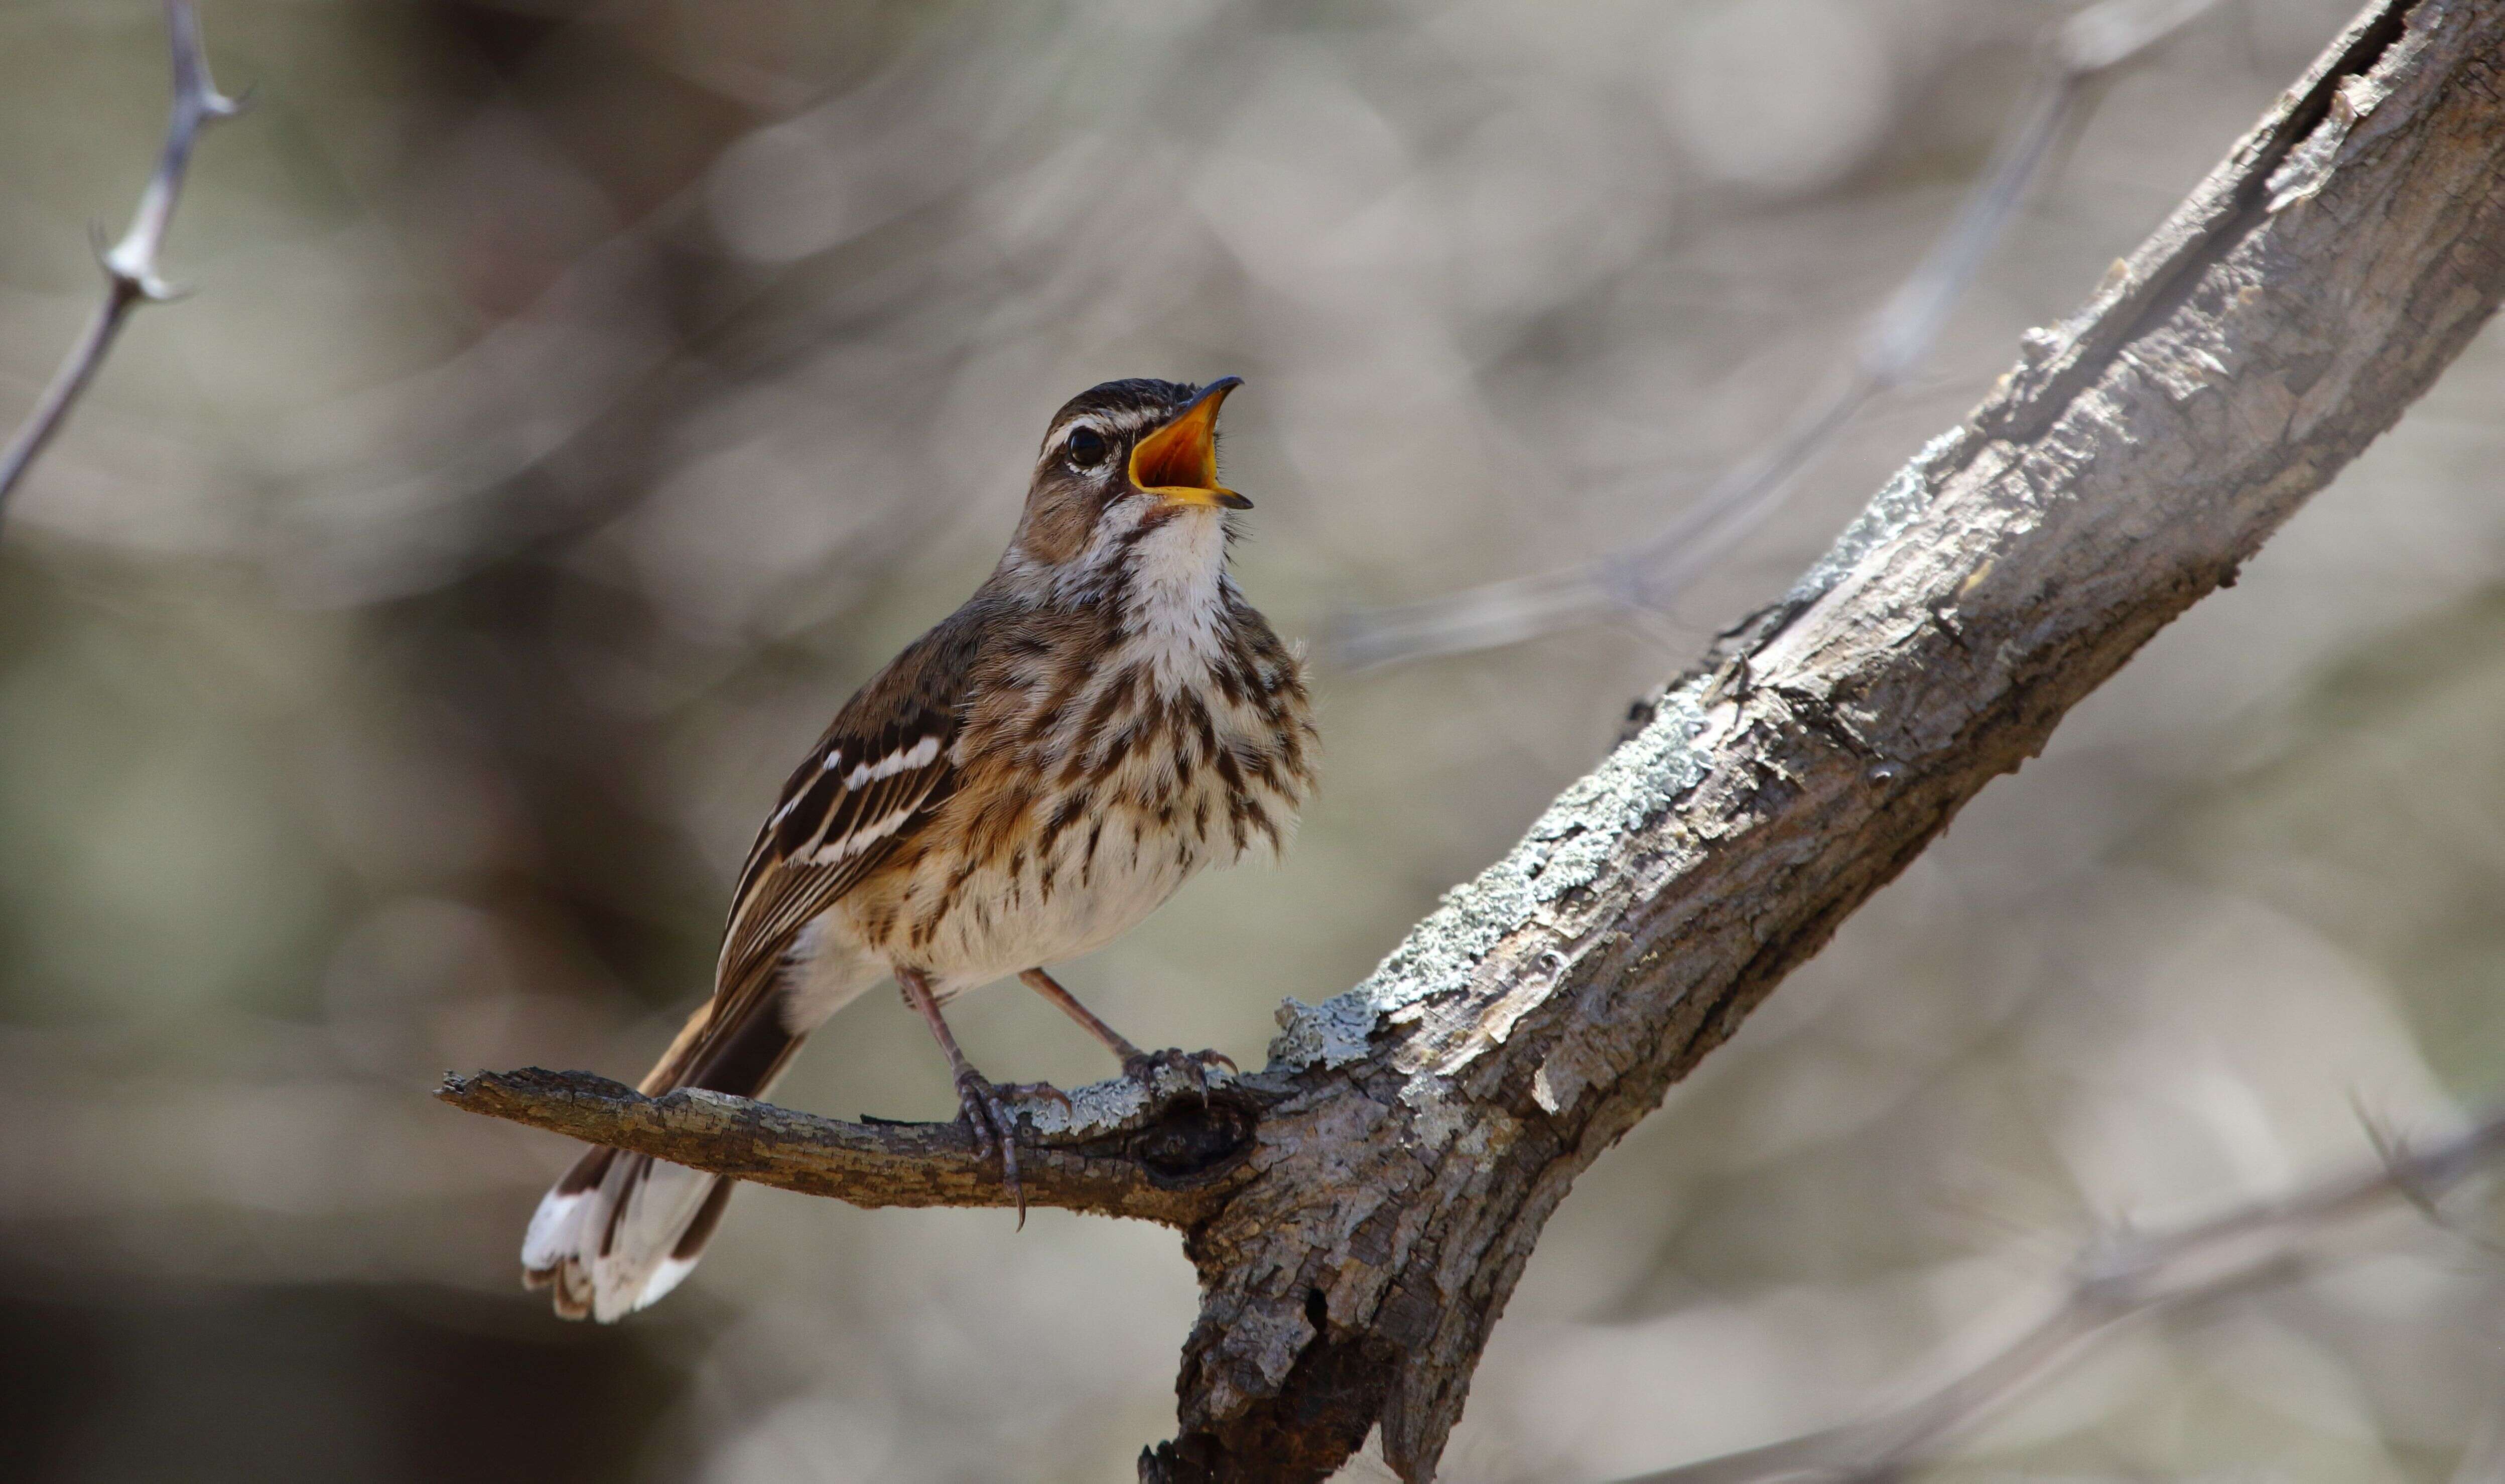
(1050, 988)
(1138, 1065)
(978, 1102)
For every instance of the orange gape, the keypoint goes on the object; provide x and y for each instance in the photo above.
(1179, 460)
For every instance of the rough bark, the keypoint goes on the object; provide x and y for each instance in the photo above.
(1167, 1153)
(1411, 1137)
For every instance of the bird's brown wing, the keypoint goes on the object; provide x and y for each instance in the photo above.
(880, 773)
(840, 817)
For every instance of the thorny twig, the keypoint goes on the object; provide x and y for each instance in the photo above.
(131, 275)
(1893, 343)
(2117, 1279)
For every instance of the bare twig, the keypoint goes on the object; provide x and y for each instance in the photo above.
(1168, 1153)
(1892, 344)
(2118, 1279)
(131, 273)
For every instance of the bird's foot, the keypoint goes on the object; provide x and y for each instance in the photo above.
(987, 1116)
(1194, 1067)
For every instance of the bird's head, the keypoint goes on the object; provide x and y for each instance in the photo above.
(1120, 462)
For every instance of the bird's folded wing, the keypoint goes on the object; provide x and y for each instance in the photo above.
(846, 807)
(855, 798)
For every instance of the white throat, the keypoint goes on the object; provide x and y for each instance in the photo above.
(1178, 591)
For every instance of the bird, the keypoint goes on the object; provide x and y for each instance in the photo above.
(1106, 716)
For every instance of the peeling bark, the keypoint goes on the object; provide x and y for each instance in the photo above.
(1410, 1137)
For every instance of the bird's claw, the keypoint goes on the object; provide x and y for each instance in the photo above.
(980, 1105)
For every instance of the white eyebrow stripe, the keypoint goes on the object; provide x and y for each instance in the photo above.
(917, 756)
(1060, 438)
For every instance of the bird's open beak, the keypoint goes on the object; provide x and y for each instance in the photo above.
(1178, 461)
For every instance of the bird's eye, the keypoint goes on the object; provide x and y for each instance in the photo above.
(1087, 448)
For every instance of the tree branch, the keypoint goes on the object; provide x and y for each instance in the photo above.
(1169, 1154)
(1412, 1135)
(131, 273)
(2112, 1281)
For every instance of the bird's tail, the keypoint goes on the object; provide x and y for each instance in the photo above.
(621, 1229)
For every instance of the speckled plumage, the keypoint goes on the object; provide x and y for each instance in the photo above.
(1105, 716)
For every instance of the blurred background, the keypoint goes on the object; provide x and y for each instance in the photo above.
(579, 400)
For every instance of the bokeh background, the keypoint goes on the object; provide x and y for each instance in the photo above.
(578, 399)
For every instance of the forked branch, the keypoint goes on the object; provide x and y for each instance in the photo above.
(1411, 1137)
(131, 271)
